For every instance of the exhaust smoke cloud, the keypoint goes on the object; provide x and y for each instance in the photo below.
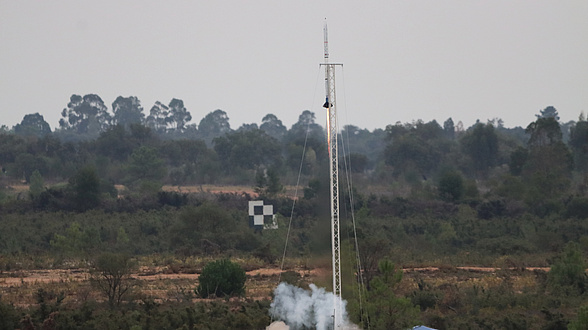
(300, 308)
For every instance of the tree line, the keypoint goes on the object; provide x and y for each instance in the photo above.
(541, 165)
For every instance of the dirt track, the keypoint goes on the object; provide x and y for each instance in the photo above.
(80, 274)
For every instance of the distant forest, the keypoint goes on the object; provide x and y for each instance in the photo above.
(131, 148)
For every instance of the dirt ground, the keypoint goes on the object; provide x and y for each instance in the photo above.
(159, 284)
(20, 278)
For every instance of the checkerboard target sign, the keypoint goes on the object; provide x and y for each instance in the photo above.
(261, 216)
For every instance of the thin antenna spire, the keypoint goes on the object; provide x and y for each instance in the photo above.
(326, 42)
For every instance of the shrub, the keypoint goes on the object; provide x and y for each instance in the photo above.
(451, 186)
(577, 208)
(569, 271)
(581, 322)
(492, 208)
(221, 278)
(9, 316)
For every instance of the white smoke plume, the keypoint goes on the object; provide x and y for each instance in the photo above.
(278, 325)
(300, 308)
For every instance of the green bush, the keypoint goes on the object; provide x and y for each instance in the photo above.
(451, 186)
(221, 278)
(9, 316)
(581, 322)
(577, 208)
(569, 271)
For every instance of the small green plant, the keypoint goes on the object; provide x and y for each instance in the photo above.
(221, 278)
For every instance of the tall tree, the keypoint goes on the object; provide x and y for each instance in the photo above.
(85, 115)
(158, 118)
(481, 144)
(549, 112)
(32, 124)
(306, 132)
(547, 170)
(273, 126)
(127, 111)
(179, 116)
(579, 144)
(213, 125)
(545, 131)
(449, 128)
(306, 128)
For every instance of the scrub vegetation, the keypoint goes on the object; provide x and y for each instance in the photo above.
(457, 228)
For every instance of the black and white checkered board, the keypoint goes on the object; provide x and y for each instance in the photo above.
(261, 216)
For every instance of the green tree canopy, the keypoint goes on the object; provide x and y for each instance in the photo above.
(579, 144)
(273, 126)
(145, 164)
(158, 118)
(85, 115)
(543, 132)
(415, 147)
(213, 125)
(85, 186)
(179, 115)
(549, 112)
(248, 150)
(127, 111)
(451, 186)
(481, 144)
(32, 124)
(449, 128)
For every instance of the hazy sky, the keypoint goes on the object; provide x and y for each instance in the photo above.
(403, 60)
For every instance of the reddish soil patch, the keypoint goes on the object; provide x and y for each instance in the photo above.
(81, 274)
(475, 269)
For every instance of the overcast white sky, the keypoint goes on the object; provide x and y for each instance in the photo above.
(403, 60)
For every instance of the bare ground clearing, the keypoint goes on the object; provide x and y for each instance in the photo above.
(149, 274)
(159, 284)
